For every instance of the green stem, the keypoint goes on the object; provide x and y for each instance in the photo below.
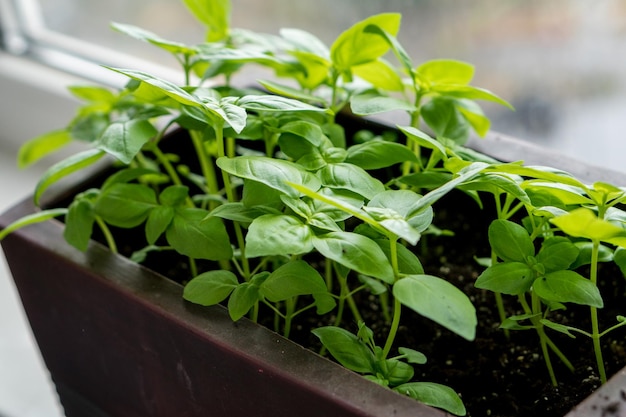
(108, 236)
(206, 165)
(397, 307)
(595, 328)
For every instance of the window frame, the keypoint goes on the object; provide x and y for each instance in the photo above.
(23, 33)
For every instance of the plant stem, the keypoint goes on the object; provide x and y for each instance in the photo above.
(595, 328)
(206, 165)
(397, 307)
(230, 195)
(107, 234)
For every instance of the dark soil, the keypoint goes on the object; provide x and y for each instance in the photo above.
(494, 374)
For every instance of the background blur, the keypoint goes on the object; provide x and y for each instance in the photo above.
(561, 63)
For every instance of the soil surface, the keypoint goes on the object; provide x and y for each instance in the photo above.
(495, 375)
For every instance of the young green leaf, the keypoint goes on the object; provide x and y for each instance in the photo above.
(147, 36)
(357, 46)
(297, 278)
(510, 241)
(408, 262)
(446, 71)
(367, 104)
(557, 253)
(568, 287)
(435, 395)
(125, 205)
(42, 146)
(406, 204)
(438, 300)
(79, 223)
(158, 221)
(381, 74)
(355, 252)
(210, 288)
(64, 168)
(162, 86)
(274, 173)
(192, 234)
(347, 349)
(377, 154)
(125, 139)
(38, 217)
(583, 222)
(214, 14)
(507, 278)
(270, 103)
(242, 299)
(278, 234)
(350, 177)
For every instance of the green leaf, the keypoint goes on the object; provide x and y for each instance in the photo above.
(559, 327)
(435, 395)
(147, 36)
(158, 221)
(79, 224)
(210, 288)
(407, 204)
(174, 195)
(287, 91)
(311, 132)
(443, 117)
(511, 278)
(568, 287)
(368, 104)
(124, 140)
(413, 356)
(347, 349)
(64, 168)
(231, 113)
(272, 103)
(510, 241)
(356, 252)
(357, 46)
(376, 154)
(470, 92)
(199, 238)
(162, 86)
(583, 222)
(297, 278)
(350, 177)
(585, 249)
(40, 216)
(274, 173)
(557, 253)
(423, 139)
(214, 14)
(408, 262)
(619, 257)
(438, 300)
(242, 299)
(381, 74)
(462, 176)
(397, 372)
(446, 71)
(278, 234)
(42, 146)
(125, 205)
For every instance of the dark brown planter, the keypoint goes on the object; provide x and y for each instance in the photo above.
(119, 340)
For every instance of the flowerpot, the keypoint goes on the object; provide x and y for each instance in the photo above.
(119, 340)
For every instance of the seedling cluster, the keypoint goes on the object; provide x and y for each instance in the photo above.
(292, 215)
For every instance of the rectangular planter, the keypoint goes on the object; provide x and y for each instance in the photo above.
(119, 340)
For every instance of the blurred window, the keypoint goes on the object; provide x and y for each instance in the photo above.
(559, 62)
